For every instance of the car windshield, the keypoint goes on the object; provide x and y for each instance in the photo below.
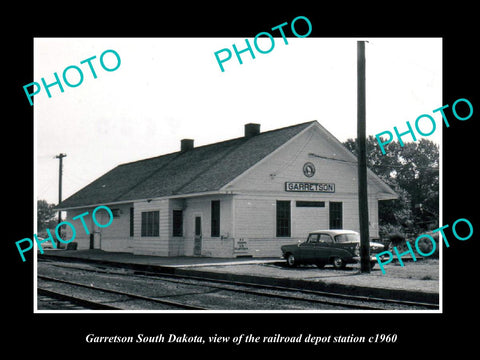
(347, 237)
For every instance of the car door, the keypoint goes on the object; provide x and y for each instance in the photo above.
(308, 248)
(324, 248)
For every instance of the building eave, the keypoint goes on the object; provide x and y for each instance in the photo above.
(179, 196)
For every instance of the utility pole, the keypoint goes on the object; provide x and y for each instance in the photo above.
(60, 170)
(362, 161)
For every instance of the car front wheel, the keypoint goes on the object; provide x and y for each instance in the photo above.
(291, 261)
(338, 263)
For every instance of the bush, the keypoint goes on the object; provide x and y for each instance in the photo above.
(425, 245)
(387, 231)
(72, 246)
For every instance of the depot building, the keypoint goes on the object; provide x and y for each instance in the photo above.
(242, 197)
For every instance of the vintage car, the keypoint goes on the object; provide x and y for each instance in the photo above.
(322, 247)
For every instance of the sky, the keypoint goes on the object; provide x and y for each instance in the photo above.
(168, 89)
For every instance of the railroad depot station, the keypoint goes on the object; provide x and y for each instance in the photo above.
(242, 197)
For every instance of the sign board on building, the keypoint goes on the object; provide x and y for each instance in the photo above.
(309, 187)
(240, 247)
(240, 244)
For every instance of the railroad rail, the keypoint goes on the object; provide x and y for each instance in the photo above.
(175, 305)
(81, 304)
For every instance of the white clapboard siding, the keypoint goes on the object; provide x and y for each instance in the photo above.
(152, 245)
(115, 237)
(211, 246)
(330, 159)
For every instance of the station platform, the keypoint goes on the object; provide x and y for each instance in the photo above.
(161, 261)
(416, 281)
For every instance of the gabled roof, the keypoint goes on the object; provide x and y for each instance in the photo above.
(202, 169)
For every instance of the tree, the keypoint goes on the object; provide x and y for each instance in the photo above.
(412, 171)
(419, 176)
(46, 215)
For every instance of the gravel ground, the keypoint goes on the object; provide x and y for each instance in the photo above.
(422, 275)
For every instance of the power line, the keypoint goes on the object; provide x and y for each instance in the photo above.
(382, 166)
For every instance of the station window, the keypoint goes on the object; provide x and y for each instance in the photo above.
(150, 223)
(115, 212)
(215, 218)
(336, 215)
(177, 223)
(283, 219)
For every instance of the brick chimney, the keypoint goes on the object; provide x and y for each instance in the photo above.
(251, 130)
(186, 144)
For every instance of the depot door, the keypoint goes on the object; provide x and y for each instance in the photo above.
(95, 240)
(197, 245)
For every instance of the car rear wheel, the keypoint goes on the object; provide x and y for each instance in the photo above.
(338, 263)
(291, 261)
(372, 264)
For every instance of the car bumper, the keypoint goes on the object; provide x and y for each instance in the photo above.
(372, 258)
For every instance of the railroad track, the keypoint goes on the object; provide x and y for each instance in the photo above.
(57, 300)
(103, 306)
(304, 291)
(342, 301)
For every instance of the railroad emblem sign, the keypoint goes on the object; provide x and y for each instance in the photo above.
(309, 169)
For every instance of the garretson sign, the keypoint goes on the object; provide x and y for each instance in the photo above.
(309, 187)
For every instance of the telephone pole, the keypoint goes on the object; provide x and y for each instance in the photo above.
(60, 157)
(362, 161)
